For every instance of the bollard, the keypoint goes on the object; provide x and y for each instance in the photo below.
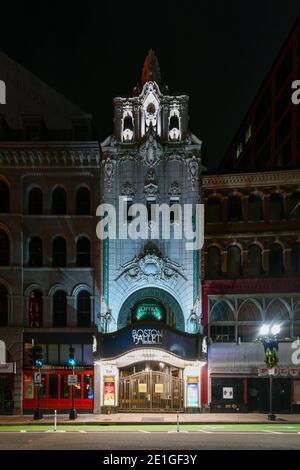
(55, 419)
(177, 421)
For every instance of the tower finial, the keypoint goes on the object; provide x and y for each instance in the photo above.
(151, 69)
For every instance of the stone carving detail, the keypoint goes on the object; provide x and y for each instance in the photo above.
(193, 167)
(151, 186)
(128, 189)
(109, 171)
(151, 267)
(174, 189)
(151, 151)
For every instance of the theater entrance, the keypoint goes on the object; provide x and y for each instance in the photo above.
(152, 386)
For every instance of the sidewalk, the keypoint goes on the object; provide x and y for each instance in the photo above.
(154, 418)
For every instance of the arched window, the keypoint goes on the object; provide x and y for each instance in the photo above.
(213, 210)
(3, 306)
(4, 198)
(221, 311)
(276, 260)
(255, 208)
(35, 202)
(213, 262)
(83, 309)
(83, 252)
(249, 318)
(83, 202)
(276, 207)
(234, 267)
(4, 249)
(277, 312)
(35, 252)
(60, 309)
(235, 213)
(222, 321)
(59, 201)
(59, 252)
(35, 309)
(254, 261)
(296, 323)
(295, 258)
(295, 206)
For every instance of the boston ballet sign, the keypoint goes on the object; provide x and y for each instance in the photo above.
(147, 336)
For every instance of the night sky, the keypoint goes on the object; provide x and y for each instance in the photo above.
(218, 52)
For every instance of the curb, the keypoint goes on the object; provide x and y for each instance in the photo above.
(147, 423)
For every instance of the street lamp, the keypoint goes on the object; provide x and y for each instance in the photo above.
(72, 363)
(268, 335)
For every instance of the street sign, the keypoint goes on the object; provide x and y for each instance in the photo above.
(72, 379)
(37, 378)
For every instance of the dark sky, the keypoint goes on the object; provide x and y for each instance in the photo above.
(216, 51)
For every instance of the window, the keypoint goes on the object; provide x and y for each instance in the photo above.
(35, 309)
(4, 198)
(35, 252)
(255, 208)
(35, 202)
(276, 260)
(213, 262)
(59, 201)
(83, 250)
(3, 306)
(83, 202)
(248, 133)
(254, 261)
(175, 210)
(64, 387)
(60, 309)
(239, 149)
(53, 386)
(235, 213)
(4, 249)
(295, 206)
(276, 207)
(220, 312)
(59, 252)
(295, 258)
(234, 262)
(213, 211)
(222, 333)
(277, 312)
(83, 309)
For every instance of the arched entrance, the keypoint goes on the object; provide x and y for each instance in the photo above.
(151, 302)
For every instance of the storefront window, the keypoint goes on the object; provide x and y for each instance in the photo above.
(28, 387)
(53, 386)
(77, 388)
(88, 387)
(43, 387)
(64, 387)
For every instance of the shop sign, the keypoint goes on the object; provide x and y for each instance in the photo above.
(147, 336)
(294, 371)
(8, 368)
(109, 393)
(283, 371)
(193, 395)
(228, 393)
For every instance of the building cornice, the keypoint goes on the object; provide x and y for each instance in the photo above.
(254, 179)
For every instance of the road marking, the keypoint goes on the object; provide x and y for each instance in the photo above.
(273, 432)
(82, 431)
(205, 432)
(51, 430)
(175, 432)
(23, 430)
(145, 432)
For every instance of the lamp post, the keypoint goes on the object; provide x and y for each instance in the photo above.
(72, 363)
(269, 337)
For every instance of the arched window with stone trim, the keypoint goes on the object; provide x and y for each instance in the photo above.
(83, 252)
(295, 206)
(249, 320)
(3, 306)
(276, 209)
(83, 201)
(255, 208)
(234, 262)
(59, 201)
(35, 202)
(296, 322)
(277, 312)
(235, 211)
(221, 322)
(276, 260)
(83, 309)
(4, 198)
(4, 249)
(295, 258)
(35, 309)
(59, 252)
(213, 262)
(255, 261)
(213, 210)
(35, 258)
(60, 309)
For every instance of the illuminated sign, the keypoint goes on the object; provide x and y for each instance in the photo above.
(147, 336)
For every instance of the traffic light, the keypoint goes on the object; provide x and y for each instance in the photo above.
(72, 360)
(37, 356)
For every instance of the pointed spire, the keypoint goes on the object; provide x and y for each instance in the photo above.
(151, 69)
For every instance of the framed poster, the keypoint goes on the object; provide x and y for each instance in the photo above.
(142, 388)
(193, 395)
(109, 393)
(228, 393)
(159, 388)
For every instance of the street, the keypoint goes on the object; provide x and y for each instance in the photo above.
(190, 438)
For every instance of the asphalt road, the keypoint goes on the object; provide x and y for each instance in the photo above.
(141, 440)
